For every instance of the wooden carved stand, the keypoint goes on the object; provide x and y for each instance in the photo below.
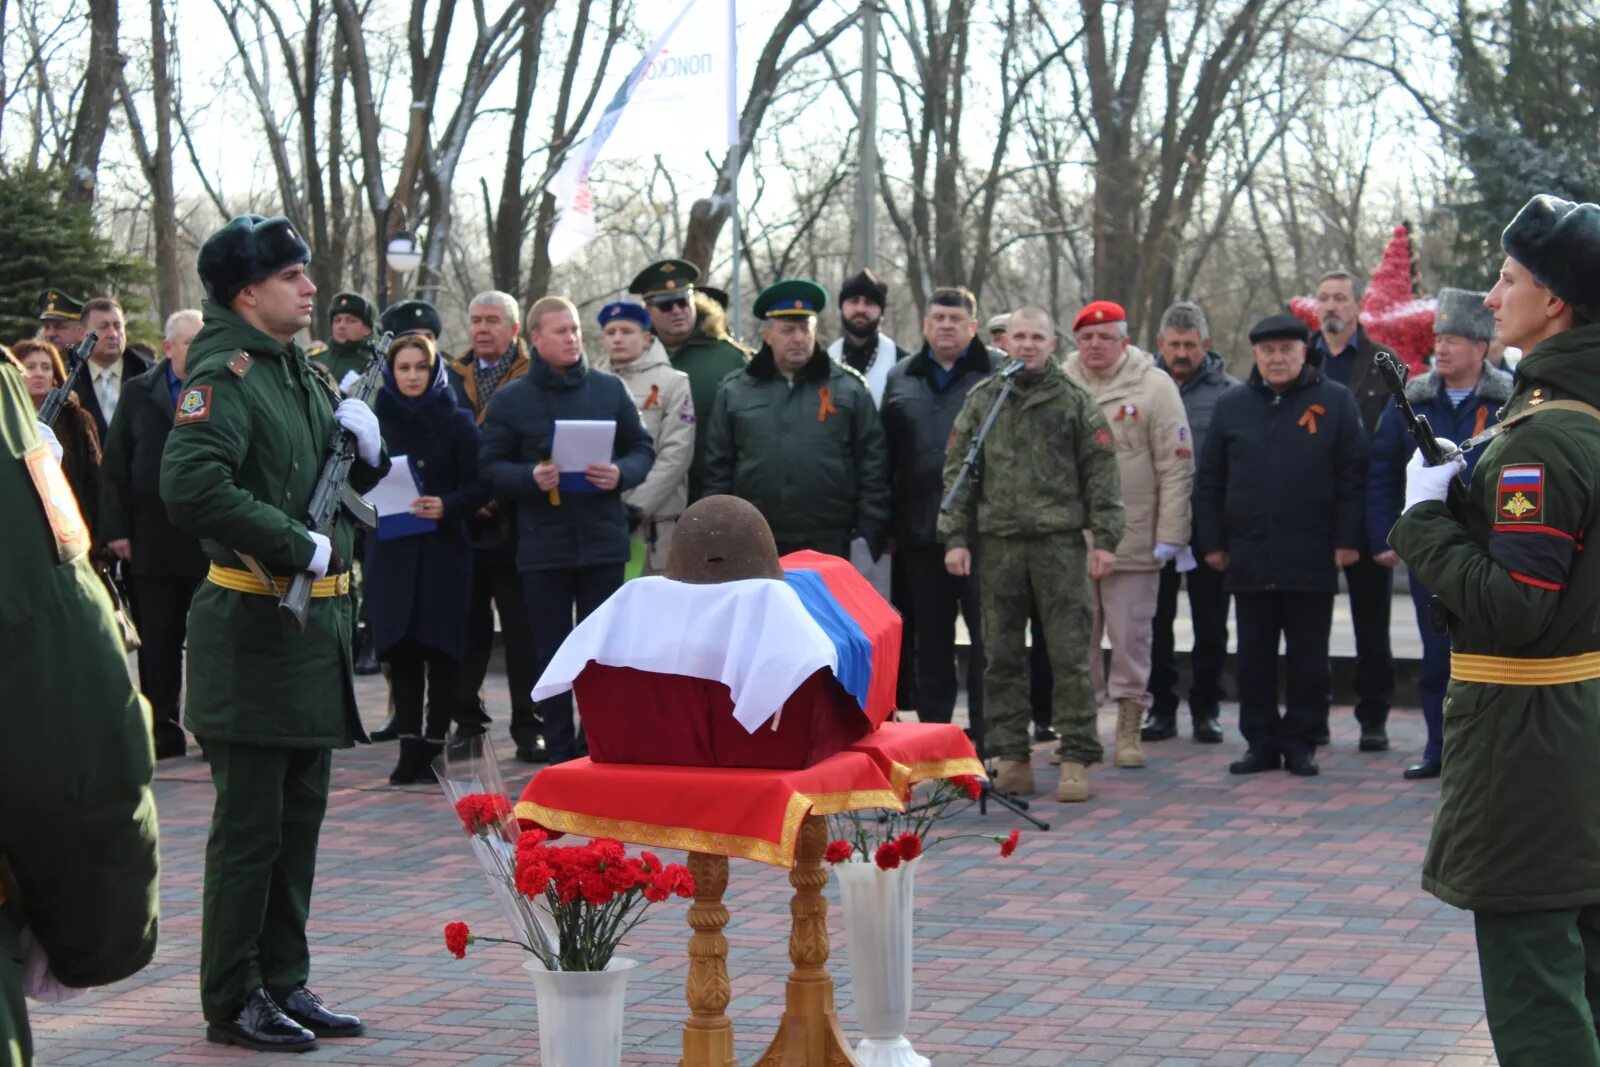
(809, 1034)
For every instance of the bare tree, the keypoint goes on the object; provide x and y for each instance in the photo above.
(103, 71)
(156, 160)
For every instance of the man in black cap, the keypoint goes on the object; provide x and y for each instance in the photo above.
(412, 316)
(350, 318)
(1514, 840)
(693, 329)
(863, 299)
(1278, 505)
(60, 319)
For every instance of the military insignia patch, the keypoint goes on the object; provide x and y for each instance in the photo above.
(1103, 439)
(194, 405)
(1521, 493)
(240, 364)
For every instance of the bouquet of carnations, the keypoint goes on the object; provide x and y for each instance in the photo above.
(901, 836)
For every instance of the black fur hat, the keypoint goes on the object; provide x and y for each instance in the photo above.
(247, 249)
(1559, 242)
(409, 316)
(866, 283)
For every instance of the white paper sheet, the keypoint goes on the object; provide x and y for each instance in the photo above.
(348, 382)
(580, 442)
(394, 494)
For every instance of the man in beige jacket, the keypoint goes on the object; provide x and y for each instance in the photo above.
(633, 354)
(1155, 457)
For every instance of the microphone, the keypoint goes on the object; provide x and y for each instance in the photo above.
(1014, 368)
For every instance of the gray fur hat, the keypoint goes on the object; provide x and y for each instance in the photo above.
(1462, 313)
(1559, 242)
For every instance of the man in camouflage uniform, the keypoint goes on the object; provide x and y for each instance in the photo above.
(1049, 473)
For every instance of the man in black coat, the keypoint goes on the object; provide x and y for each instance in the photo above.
(166, 564)
(112, 365)
(1278, 506)
(921, 399)
(572, 527)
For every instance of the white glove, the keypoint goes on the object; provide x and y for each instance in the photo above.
(1166, 551)
(50, 438)
(38, 981)
(356, 417)
(320, 556)
(1425, 483)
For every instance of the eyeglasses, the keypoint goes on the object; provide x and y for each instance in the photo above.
(672, 305)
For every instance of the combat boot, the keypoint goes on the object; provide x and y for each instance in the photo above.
(1074, 785)
(1129, 714)
(1015, 777)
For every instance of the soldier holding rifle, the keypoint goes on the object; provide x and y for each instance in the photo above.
(270, 702)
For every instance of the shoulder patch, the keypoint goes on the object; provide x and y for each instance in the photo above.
(1520, 494)
(194, 405)
(1102, 440)
(241, 363)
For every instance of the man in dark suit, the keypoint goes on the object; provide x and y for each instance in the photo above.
(165, 563)
(111, 366)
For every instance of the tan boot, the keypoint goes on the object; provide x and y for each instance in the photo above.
(1015, 777)
(1129, 715)
(1074, 787)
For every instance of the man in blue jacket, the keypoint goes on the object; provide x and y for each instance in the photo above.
(1278, 509)
(572, 527)
(1461, 397)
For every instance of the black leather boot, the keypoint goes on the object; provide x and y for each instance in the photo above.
(307, 1009)
(262, 1025)
(416, 761)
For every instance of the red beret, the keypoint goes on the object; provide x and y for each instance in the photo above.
(1098, 312)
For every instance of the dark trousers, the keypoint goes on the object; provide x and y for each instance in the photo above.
(1371, 587)
(553, 598)
(497, 589)
(415, 668)
(161, 610)
(937, 595)
(1208, 612)
(261, 859)
(901, 596)
(1541, 985)
(1302, 620)
(1435, 672)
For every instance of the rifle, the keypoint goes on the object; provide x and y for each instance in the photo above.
(56, 399)
(969, 465)
(333, 490)
(1394, 376)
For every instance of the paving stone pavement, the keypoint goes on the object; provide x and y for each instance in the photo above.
(1181, 918)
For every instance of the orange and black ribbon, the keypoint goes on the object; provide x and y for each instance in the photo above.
(653, 400)
(1308, 418)
(1481, 421)
(825, 405)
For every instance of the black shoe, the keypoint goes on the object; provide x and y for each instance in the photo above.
(1254, 762)
(1158, 727)
(1428, 768)
(1207, 730)
(1044, 733)
(416, 761)
(533, 752)
(387, 732)
(307, 1009)
(170, 742)
(1321, 738)
(1301, 763)
(263, 1026)
(1374, 739)
(367, 663)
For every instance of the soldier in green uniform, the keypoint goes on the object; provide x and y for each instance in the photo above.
(78, 861)
(1049, 473)
(1517, 836)
(798, 435)
(350, 319)
(693, 328)
(269, 703)
(61, 319)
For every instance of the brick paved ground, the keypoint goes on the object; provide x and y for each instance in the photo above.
(1181, 918)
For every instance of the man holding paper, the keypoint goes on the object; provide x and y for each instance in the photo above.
(564, 443)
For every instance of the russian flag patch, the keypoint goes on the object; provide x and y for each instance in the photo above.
(1521, 493)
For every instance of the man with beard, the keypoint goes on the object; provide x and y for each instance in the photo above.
(1345, 354)
(796, 434)
(350, 318)
(693, 329)
(862, 302)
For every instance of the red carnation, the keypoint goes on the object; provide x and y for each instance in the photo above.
(456, 938)
(1009, 845)
(969, 784)
(650, 861)
(480, 811)
(909, 847)
(838, 851)
(887, 856)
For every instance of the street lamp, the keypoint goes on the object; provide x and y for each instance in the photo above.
(403, 254)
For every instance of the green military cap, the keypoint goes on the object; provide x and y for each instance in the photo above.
(791, 298)
(665, 280)
(58, 306)
(348, 303)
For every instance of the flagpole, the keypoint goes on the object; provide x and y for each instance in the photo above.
(738, 165)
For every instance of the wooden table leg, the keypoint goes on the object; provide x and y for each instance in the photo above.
(810, 1034)
(708, 1034)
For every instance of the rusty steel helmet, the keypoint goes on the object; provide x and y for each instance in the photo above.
(722, 539)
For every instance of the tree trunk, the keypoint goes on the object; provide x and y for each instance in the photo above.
(94, 105)
(164, 203)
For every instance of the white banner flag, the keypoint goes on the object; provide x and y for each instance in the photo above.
(680, 97)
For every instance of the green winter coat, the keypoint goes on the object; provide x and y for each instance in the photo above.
(245, 451)
(1049, 465)
(1518, 827)
(707, 357)
(342, 357)
(78, 858)
(816, 469)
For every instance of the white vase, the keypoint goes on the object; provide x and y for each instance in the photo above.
(580, 1014)
(877, 908)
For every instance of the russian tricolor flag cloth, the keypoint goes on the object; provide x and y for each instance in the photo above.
(761, 638)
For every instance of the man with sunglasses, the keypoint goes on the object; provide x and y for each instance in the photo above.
(693, 329)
